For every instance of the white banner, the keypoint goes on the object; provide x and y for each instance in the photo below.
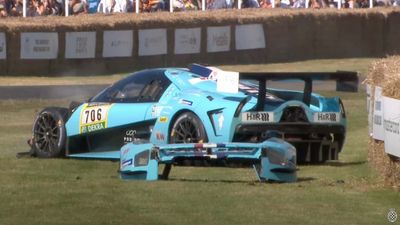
(40, 45)
(187, 41)
(250, 36)
(117, 43)
(152, 42)
(80, 45)
(218, 39)
(369, 109)
(3, 48)
(391, 121)
(377, 127)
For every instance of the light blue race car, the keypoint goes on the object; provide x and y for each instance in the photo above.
(196, 105)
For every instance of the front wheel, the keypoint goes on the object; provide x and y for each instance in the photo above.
(188, 128)
(49, 134)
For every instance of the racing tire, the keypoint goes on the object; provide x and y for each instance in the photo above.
(187, 128)
(49, 133)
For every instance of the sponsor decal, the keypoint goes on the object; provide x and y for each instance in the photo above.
(160, 136)
(257, 117)
(156, 110)
(129, 136)
(163, 119)
(186, 102)
(126, 163)
(93, 117)
(327, 117)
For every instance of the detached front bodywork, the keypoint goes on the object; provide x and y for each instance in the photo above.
(274, 159)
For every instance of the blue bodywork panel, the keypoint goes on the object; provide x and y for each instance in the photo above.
(274, 159)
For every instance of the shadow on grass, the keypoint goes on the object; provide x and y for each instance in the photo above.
(254, 182)
(342, 164)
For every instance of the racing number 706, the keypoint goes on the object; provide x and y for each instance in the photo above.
(93, 115)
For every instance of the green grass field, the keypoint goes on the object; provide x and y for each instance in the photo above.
(66, 191)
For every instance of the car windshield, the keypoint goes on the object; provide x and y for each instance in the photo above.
(143, 86)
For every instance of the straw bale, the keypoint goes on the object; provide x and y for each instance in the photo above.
(386, 74)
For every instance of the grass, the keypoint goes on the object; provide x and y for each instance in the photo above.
(352, 64)
(66, 191)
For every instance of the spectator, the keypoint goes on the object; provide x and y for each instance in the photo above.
(250, 4)
(105, 6)
(3, 11)
(120, 6)
(219, 4)
(184, 5)
(383, 3)
(17, 7)
(299, 4)
(52, 7)
(314, 4)
(78, 7)
(266, 4)
(152, 5)
(285, 4)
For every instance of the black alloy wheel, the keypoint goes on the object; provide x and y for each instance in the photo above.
(188, 128)
(49, 134)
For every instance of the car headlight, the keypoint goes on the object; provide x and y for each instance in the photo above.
(142, 159)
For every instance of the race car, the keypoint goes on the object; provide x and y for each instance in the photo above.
(196, 105)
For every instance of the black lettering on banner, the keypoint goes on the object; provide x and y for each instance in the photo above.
(333, 117)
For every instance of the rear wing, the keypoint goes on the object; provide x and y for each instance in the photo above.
(345, 81)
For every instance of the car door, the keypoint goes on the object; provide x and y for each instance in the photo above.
(117, 115)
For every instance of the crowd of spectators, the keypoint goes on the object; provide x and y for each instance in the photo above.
(57, 7)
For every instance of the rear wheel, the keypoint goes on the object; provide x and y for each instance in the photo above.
(49, 134)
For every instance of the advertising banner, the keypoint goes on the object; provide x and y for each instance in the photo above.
(117, 43)
(152, 42)
(39, 45)
(80, 45)
(377, 127)
(391, 121)
(249, 36)
(218, 39)
(3, 49)
(187, 41)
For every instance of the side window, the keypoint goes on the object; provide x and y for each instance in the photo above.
(144, 86)
(128, 93)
